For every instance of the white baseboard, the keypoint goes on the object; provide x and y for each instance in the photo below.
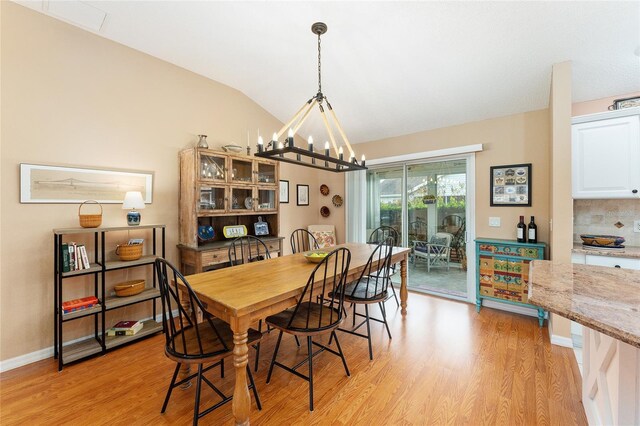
(561, 341)
(511, 308)
(45, 353)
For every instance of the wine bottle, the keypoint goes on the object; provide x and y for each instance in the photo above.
(532, 231)
(521, 230)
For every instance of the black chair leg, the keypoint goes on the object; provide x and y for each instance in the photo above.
(344, 361)
(273, 360)
(393, 290)
(297, 341)
(253, 386)
(222, 368)
(173, 380)
(366, 311)
(196, 408)
(310, 349)
(353, 305)
(384, 317)
(255, 368)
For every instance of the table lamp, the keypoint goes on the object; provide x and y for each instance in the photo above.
(133, 200)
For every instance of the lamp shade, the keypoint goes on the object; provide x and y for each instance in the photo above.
(133, 200)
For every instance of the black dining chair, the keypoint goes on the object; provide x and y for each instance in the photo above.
(192, 343)
(303, 240)
(249, 249)
(371, 288)
(310, 318)
(379, 235)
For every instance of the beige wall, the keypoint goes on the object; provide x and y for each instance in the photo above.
(597, 105)
(514, 139)
(72, 98)
(561, 199)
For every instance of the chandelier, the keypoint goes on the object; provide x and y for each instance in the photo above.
(309, 157)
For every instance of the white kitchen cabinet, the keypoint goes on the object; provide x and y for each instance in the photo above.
(605, 155)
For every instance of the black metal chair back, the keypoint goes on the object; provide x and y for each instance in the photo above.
(381, 234)
(247, 249)
(303, 240)
(183, 337)
(333, 273)
(374, 280)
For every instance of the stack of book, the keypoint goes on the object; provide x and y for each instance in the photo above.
(74, 257)
(79, 304)
(125, 328)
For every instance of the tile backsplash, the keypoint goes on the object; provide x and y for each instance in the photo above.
(600, 217)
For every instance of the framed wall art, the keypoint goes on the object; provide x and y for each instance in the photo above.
(303, 195)
(284, 191)
(59, 184)
(510, 185)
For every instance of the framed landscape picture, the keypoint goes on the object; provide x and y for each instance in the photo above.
(510, 185)
(60, 184)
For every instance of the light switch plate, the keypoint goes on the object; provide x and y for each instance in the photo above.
(636, 226)
(494, 222)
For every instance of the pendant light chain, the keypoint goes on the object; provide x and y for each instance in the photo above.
(319, 68)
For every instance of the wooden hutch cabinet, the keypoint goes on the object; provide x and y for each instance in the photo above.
(220, 189)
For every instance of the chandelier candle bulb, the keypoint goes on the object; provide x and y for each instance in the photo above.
(260, 144)
(326, 149)
(274, 141)
(362, 161)
(290, 138)
(281, 146)
(340, 153)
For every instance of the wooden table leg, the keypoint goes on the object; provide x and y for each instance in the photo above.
(404, 293)
(241, 404)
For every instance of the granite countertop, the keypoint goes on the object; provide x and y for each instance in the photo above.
(602, 298)
(632, 252)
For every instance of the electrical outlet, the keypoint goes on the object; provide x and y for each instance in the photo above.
(636, 226)
(494, 222)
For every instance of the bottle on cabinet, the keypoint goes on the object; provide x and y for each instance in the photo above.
(521, 230)
(532, 231)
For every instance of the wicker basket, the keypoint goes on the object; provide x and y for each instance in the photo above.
(129, 251)
(90, 220)
(129, 288)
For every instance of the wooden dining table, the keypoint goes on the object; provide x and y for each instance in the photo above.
(247, 293)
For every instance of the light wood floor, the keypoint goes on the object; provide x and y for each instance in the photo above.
(445, 365)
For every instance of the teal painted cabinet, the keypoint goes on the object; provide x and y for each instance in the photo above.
(503, 272)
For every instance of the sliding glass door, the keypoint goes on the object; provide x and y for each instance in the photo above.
(426, 203)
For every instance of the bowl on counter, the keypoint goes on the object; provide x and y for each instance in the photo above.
(602, 240)
(315, 256)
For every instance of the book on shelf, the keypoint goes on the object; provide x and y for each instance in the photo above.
(64, 257)
(112, 333)
(84, 257)
(79, 304)
(72, 255)
(128, 326)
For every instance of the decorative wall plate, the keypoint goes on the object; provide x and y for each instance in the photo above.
(324, 189)
(324, 211)
(337, 200)
(248, 203)
(206, 233)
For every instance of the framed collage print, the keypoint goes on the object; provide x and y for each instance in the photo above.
(511, 185)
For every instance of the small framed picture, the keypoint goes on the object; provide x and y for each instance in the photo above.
(510, 185)
(284, 191)
(303, 195)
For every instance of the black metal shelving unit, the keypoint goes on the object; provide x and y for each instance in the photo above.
(100, 343)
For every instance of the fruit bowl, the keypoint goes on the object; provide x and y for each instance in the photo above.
(602, 240)
(315, 256)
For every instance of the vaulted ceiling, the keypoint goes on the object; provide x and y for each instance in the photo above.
(388, 68)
